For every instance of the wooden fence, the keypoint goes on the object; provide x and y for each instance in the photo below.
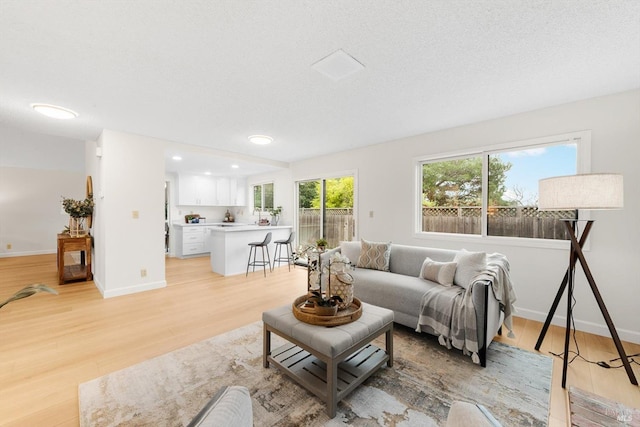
(339, 225)
(513, 221)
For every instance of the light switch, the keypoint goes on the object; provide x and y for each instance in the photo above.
(370, 214)
(135, 214)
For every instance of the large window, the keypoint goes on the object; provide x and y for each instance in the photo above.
(263, 197)
(494, 192)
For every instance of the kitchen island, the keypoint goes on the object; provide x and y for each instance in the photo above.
(229, 245)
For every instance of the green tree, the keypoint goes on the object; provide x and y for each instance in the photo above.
(339, 192)
(308, 191)
(459, 182)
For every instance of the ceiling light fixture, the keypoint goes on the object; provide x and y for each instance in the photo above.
(338, 65)
(55, 111)
(235, 166)
(207, 173)
(177, 158)
(261, 139)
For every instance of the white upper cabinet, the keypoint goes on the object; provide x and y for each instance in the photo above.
(198, 190)
(194, 190)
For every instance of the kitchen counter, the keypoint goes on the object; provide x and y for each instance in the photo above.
(230, 245)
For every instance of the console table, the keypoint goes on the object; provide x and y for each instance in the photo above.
(73, 272)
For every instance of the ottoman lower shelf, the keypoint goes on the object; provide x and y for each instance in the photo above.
(310, 372)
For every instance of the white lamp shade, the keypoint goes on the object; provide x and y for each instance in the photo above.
(588, 191)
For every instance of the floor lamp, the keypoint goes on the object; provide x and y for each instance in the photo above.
(586, 192)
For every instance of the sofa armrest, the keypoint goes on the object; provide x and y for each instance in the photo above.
(230, 406)
(488, 316)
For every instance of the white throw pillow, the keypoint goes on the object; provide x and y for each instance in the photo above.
(470, 264)
(374, 255)
(351, 250)
(439, 272)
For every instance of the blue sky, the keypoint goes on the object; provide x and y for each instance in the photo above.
(531, 165)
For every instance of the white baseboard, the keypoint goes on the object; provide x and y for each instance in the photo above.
(581, 325)
(15, 254)
(126, 290)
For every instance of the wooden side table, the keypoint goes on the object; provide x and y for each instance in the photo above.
(82, 271)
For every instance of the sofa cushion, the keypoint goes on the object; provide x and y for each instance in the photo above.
(230, 406)
(470, 264)
(374, 255)
(351, 250)
(408, 260)
(439, 272)
(394, 291)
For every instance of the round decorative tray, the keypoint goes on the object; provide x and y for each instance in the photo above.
(347, 315)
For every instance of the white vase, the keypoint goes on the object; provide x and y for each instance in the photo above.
(342, 286)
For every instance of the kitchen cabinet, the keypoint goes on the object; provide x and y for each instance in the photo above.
(190, 240)
(196, 190)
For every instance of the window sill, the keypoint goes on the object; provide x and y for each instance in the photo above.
(497, 240)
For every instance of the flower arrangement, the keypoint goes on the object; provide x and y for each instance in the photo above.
(78, 208)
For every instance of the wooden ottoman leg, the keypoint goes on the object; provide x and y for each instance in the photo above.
(332, 388)
(266, 345)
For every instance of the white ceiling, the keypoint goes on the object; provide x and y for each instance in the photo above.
(212, 72)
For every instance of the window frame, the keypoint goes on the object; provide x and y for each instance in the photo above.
(582, 139)
(263, 208)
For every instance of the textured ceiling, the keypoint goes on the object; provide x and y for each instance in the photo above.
(212, 72)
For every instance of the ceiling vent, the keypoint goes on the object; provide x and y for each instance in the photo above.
(338, 65)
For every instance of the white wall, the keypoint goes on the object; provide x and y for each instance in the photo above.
(36, 170)
(129, 177)
(386, 176)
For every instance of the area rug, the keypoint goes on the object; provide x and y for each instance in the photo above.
(418, 390)
(591, 410)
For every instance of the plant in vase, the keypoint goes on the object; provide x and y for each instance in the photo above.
(321, 244)
(325, 306)
(78, 210)
(275, 215)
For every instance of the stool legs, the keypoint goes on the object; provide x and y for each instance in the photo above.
(263, 263)
(277, 257)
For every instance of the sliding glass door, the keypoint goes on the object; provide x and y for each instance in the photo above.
(325, 209)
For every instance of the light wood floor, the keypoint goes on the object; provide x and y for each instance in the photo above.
(49, 344)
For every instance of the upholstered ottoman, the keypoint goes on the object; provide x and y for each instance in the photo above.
(330, 362)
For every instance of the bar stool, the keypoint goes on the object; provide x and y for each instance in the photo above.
(277, 256)
(253, 247)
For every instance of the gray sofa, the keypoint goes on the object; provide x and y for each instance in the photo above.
(401, 289)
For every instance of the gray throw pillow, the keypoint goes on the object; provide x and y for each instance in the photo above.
(439, 272)
(374, 256)
(470, 264)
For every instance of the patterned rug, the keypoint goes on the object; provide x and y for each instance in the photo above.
(418, 391)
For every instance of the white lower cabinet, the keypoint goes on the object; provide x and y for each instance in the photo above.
(190, 241)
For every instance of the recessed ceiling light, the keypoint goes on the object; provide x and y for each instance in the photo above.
(235, 166)
(177, 158)
(261, 139)
(54, 111)
(207, 173)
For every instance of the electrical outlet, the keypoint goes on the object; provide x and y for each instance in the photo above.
(9, 245)
(370, 214)
(143, 272)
